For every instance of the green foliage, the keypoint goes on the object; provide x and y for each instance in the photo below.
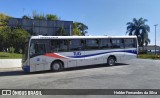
(11, 37)
(3, 19)
(26, 17)
(41, 17)
(5, 55)
(79, 29)
(11, 50)
(38, 16)
(3, 29)
(149, 56)
(51, 17)
(4, 37)
(17, 38)
(140, 29)
(44, 17)
(76, 31)
(61, 32)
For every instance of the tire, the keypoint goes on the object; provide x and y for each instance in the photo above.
(56, 66)
(111, 61)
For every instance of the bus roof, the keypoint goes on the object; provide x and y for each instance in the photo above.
(78, 37)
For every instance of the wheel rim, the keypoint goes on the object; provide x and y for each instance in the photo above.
(111, 61)
(56, 66)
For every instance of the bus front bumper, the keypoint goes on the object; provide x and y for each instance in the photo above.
(26, 68)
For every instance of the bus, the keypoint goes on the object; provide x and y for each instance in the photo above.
(58, 52)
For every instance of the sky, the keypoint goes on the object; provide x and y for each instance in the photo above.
(103, 17)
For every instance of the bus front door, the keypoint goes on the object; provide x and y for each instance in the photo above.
(37, 61)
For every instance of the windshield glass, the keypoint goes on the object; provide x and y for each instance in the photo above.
(37, 47)
(25, 52)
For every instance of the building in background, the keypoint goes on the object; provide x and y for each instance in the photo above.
(150, 49)
(41, 27)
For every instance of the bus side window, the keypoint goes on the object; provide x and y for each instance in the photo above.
(103, 44)
(117, 43)
(130, 43)
(92, 44)
(63, 45)
(75, 45)
(54, 45)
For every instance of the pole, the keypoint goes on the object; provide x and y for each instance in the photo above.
(155, 38)
(33, 29)
(70, 30)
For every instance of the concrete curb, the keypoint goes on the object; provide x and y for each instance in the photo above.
(10, 63)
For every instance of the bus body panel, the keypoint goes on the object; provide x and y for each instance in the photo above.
(75, 58)
(40, 63)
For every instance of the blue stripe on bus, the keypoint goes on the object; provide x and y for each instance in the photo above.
(89, 55)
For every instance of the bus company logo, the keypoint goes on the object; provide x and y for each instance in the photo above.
(6, 92)
(77, 53)
(38, 59)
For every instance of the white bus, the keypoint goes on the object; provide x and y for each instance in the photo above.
(58, 52)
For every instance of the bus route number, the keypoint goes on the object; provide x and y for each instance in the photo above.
(77, 53)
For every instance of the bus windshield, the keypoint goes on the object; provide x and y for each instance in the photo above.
(25, 52)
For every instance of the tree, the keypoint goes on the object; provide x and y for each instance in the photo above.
(51, 17)
(17, 38)
(26, 17)
(140, 29)
(83, 28)
(3, 31)
(11, 37)
(76, 30)
(38, 16)
(4, 37)
(43, 17)
(61, 32)
(79, 29)
(4, 19)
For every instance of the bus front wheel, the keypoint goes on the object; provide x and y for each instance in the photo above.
(111, 61)
(56, 66)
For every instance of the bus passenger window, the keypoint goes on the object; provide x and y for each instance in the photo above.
(63, 45)
(117, 43)
(92, 44)
(54, 45)
(130, 43)
(75, 45)
(105, 44)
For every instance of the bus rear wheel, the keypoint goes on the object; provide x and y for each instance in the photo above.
(111, 61)
(56, 66)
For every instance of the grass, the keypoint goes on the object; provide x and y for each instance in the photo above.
(149, 56)
(5, 55)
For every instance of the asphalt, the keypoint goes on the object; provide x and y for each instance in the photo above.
(133, 74)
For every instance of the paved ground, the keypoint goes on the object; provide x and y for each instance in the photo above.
(133, 74)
